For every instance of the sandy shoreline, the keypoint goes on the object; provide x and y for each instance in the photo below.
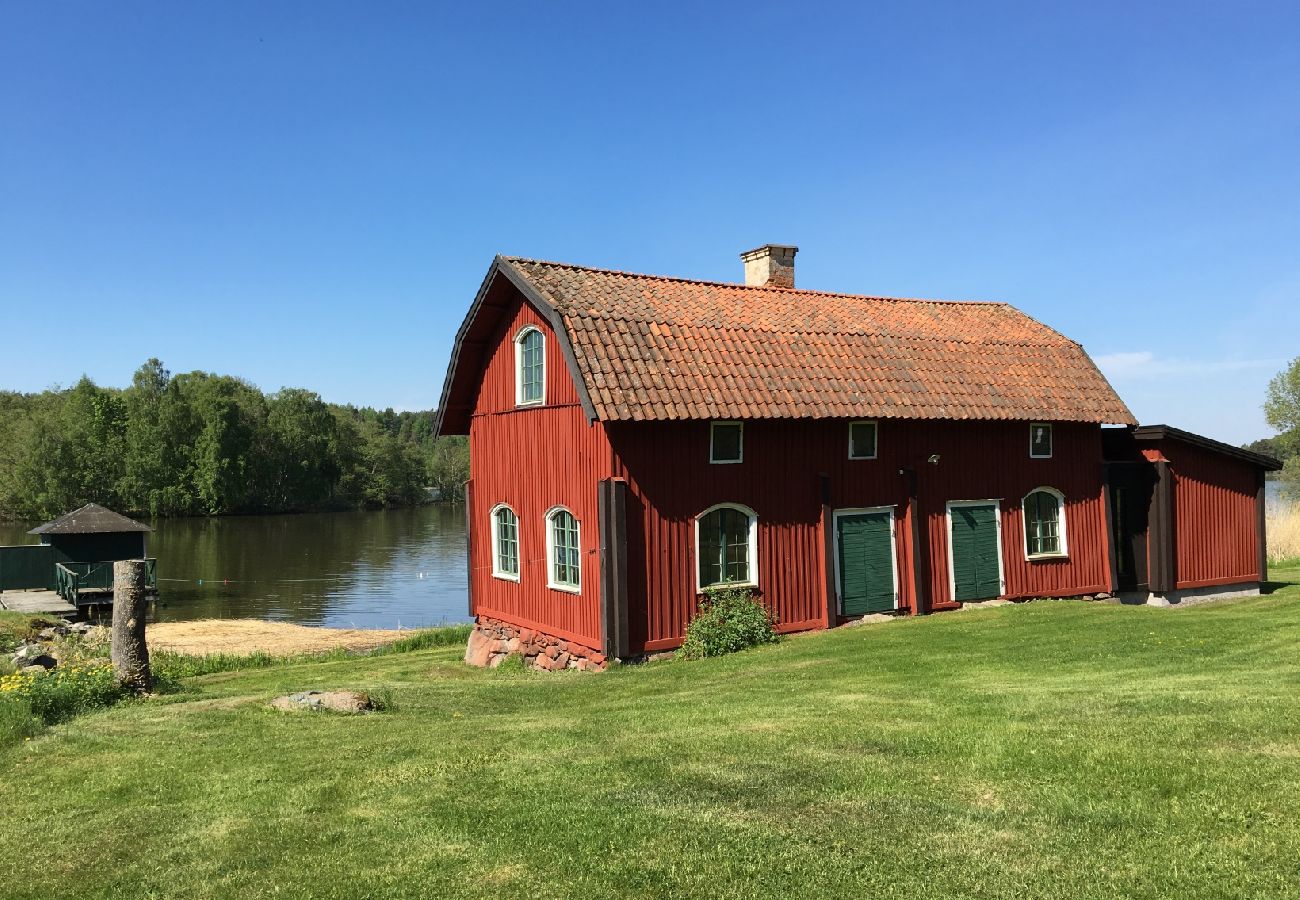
(245, 636)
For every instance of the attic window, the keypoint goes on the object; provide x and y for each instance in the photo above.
(1040, 440)
(530, 367)
(862, 440)
(726, 442)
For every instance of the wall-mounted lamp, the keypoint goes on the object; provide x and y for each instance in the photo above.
(934, 459)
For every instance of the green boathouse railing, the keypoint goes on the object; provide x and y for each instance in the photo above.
(72, 579)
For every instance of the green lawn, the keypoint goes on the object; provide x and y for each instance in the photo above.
(1051, 749)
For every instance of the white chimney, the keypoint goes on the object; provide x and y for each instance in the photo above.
(770, 265)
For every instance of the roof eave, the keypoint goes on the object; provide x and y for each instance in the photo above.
(1168, 432)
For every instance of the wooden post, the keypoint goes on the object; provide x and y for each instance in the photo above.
(1162, 574)
(920, 550)
(130, 653)
(615, 638)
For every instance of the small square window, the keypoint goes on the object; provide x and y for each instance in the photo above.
(1040, 440)
(726, 442)
(862, 440)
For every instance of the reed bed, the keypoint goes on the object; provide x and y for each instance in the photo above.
(1284, 532)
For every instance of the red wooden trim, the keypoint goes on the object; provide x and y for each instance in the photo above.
(805, 625)
(536, 407)
(944, 606)
(662, 644)
(1061, 592)
(1216, 582)
(588, 642)
(1261, 525)
(469, 544)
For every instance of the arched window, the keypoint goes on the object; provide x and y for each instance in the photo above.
(530, 367)
(564, 557)
(726, 546)
(1044, 510)
(505, 543)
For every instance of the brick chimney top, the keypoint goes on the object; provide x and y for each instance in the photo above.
(771, 265)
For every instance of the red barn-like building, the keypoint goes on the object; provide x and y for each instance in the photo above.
(637, 439)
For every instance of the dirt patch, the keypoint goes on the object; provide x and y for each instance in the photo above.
(244, 636)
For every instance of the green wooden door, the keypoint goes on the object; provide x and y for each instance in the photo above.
(976, 567)
(866, 542)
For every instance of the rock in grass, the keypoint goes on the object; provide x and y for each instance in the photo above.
(33, 654)
(339, 701)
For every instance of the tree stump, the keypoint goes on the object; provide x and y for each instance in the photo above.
(129, 652)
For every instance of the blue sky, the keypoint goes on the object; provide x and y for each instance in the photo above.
(308, 194)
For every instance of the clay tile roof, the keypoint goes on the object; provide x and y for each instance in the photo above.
(90, 519)
(651, 347)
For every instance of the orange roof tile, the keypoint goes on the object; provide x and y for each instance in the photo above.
(651, 347)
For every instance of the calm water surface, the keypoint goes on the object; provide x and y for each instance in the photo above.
(354, 569)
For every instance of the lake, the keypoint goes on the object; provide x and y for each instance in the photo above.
(380, 569)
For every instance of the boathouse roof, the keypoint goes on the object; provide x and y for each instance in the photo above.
(90, 519)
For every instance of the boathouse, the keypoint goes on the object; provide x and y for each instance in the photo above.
(637, 439)
(75, 555)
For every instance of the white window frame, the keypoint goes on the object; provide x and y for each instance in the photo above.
(519, 366)
(496, 544)
(550, 551)
(1051, 432)
(727, 462)
(1064, 552)
(875, 444)
(1002, 565)
(752, 582)
(893, 544)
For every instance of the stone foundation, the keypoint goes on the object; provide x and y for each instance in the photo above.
(492, 640)
(1192, 596)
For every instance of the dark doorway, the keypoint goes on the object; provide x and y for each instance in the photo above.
(1130, 486)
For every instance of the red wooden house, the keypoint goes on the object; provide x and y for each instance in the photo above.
(636, 439)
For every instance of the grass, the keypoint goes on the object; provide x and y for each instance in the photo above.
(1053, 749)
(15, 627)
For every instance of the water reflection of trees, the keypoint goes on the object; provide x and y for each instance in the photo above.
(329, 568)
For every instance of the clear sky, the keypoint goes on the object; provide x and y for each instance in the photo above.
(309, 193)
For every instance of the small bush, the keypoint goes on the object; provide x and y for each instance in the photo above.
(382, 699)
(59, 694)
(729, 619)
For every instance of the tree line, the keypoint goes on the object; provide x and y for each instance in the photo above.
(1282, 411)
(198, 444)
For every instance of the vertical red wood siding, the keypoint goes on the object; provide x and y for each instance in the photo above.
(990, 461)
(671, 482)
(533, 459)
(1216, 538)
